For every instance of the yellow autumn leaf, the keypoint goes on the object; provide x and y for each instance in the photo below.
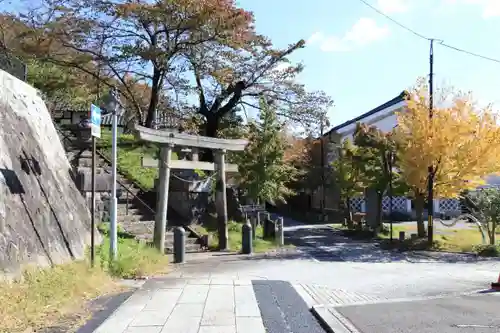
(461, 141)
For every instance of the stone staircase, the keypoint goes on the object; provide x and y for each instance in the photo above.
(134, 215)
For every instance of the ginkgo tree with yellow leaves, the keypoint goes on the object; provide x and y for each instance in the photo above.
(461, 142)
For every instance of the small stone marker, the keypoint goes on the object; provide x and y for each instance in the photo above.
(414, 236)
(253, 220)
(280, 236)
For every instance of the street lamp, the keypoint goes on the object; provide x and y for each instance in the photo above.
(112, 105)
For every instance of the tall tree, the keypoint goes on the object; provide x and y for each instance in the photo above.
(311, 178)
(229, 77)
(63, 88)
(348, 175)
(134, 41)
(375, 150)
(461, 142)
(264, 172)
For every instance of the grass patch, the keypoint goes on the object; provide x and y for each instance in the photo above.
(42, 297)
(260, 245)
(449, 239)
(134, 260)
(386, 231)
(129, 154)
(460, 240)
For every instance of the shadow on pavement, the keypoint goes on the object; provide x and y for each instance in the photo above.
(325, 244)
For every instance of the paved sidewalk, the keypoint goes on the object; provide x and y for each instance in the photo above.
(188, 306)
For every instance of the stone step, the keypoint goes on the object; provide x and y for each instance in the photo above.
(134, 218)
(132, 210)
(144, 229)
(125, 196)
(169, 238)
(132, 193)
(190, 248)
(138, 228)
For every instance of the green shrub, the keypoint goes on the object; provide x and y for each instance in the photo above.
(487, 250)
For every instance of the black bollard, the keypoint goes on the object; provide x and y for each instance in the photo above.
(179, 245)
(246, 238)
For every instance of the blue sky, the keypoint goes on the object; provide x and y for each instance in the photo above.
(363, 60)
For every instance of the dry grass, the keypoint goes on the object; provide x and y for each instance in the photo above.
(461, 240)
(449, 239)
(58, 296)
(42, 297)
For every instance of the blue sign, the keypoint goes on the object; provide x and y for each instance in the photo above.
(95, 121)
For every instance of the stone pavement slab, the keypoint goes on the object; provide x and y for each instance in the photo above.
(183, 305)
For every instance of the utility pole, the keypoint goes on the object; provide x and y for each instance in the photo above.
(430, 196)
(391, 162)
(322, 145)
(324, 123)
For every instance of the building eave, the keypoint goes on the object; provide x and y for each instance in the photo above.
(398, 99)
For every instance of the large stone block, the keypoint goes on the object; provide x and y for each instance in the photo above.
(84, 181)
(45, 218)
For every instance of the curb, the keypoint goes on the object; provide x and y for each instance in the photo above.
(103, 308)
(332, 321)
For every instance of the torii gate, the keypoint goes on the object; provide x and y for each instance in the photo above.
(168, 139)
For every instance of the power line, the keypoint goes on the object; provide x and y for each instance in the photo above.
(394, 21)
(469, 53)
(440, 42)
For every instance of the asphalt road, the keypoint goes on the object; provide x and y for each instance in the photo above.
(468, 314)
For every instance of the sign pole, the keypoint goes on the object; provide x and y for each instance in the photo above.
(113, 246)
(92, 223)
(95, 131)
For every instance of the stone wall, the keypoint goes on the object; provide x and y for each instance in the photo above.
(44, 219)
(102, 205)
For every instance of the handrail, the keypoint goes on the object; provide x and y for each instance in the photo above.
(101, 154)
(105, 158)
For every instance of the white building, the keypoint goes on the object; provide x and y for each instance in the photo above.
(384, 118)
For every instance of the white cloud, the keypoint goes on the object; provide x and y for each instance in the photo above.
(393, 6)
(362, 33)
(489, 8)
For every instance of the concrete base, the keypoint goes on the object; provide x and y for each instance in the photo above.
(331, 320)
